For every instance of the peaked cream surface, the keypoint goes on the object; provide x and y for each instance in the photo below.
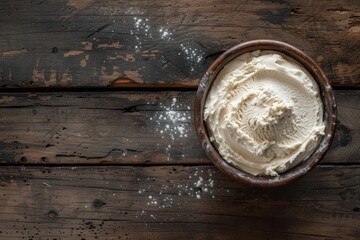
(264, 113)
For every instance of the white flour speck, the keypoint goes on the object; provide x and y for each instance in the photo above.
(192, 54)
(173, 122)
(199, 185)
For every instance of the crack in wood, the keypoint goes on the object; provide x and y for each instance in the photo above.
(121, 151)
(101, 28)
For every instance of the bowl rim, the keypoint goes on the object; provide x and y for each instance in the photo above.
(329, 115)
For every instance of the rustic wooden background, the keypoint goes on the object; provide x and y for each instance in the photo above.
(97, 138)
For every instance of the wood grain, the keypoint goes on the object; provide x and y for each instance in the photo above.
(98, 164)
(127, 128)
(153, 203)
(95, 43)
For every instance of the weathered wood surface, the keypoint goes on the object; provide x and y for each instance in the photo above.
(127, 128)
(149, 178)
(157, 202)
(95, 43)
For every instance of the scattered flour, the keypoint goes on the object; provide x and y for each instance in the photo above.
(192, 54)
(144, 31)
(172, 121)
(165, 33)
(199, 184)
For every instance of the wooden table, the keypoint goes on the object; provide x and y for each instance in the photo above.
(97, 138)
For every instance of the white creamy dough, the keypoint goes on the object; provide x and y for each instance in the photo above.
(264, 113)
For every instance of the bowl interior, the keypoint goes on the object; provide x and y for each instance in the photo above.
(327, 97)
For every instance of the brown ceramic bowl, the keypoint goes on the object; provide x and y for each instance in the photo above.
(329, 116)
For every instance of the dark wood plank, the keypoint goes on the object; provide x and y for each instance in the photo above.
(178, 202)
(126, 128)
(347, 134)
(113, 43)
